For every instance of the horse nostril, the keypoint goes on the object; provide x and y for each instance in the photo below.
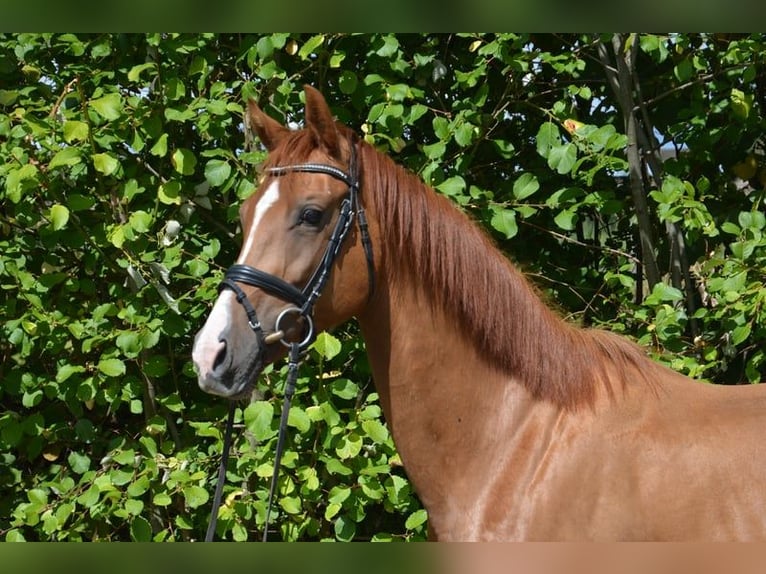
(220, 357)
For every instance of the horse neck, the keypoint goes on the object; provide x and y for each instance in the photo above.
(455, 418)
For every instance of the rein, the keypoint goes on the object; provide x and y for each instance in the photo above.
(303, 301)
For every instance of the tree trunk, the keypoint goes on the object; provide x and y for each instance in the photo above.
(620, 78)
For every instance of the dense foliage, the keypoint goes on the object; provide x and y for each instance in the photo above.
(624, 173)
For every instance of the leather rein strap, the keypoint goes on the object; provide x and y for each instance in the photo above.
(303, 304)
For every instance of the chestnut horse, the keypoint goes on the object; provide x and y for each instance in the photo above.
(511, 423)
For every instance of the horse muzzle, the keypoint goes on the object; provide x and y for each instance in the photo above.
(225, 370)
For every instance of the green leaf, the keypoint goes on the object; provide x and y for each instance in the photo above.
(32, 398)
(90, 497)
(435, 151)
(149, 444)
(332, 510)
(105, 163)
(310, 46)
(14, 535)
(376, 430)
(131, 189)
(211, 248)
(78, 462)
(350, 446)
(140, 221)
(63, 512)
(179, 115)
(37, 496)
(173, 403)
(160, 147)
(135, 72)
(162, 499)
(217, 171)
(662, 292)
(66, 157)
(326, 345)
(452, 186)
(108, 107)
(290, 504)
(504, 221)
(134, 507)
(184, 161)
(197, 267)
(59, 216)
(79, 202)
(348, 82)
(345, 528)
(129, 342)
(735, 283)
(740, 334)
(525, 186)
(345, 389)
(464, 134)
(298, 419)
(169, 193)
(258, 418)
(75, 131)
(111, 367)
(175, 89)
(195, 496)
(66, 371)
(566, 219)
(752, 220)
(548, 137)
(741, 103)
(18, 181)
(8, 97)
(441, 128)
(397, 92)
(562, 158)
(417, 518)
(339, 494)
(125, 457)
(335, 466)
(390, 46)
(117, 236)
(140, 530)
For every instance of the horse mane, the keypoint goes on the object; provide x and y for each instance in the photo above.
(453, 260)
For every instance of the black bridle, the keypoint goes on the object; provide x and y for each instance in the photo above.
(303, 301)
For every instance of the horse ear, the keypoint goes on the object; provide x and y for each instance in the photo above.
(320, 121)
(268, 130)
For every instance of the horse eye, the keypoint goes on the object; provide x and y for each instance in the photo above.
(311, 216)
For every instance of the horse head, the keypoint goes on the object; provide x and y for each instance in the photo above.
(306, 258)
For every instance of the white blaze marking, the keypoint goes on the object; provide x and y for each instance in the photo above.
(208, 343)
(269, 198)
